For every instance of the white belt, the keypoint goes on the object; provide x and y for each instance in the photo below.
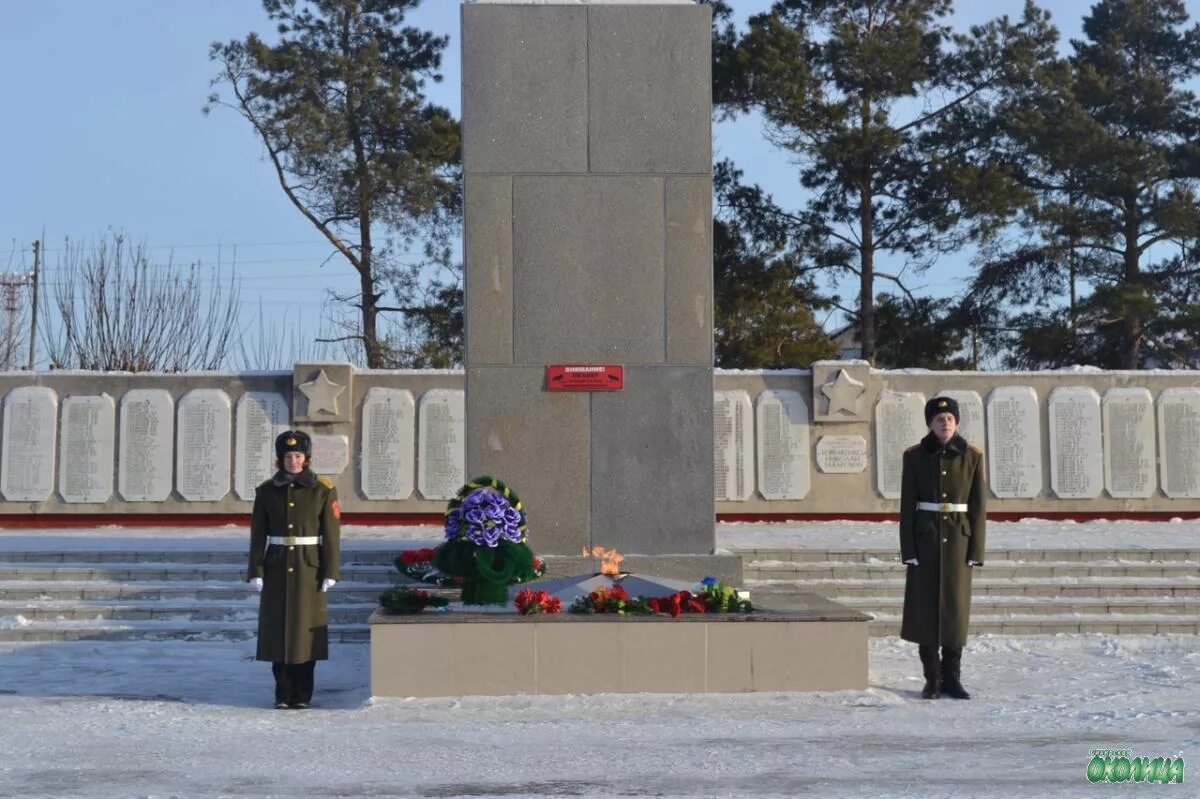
(295, 540)
(943, 507)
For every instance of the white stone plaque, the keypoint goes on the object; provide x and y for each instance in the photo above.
(261, 417)
(330, 454)
(899, 424)
(1014, 442)
(1076, 462)
(388, 419)
(441, 450)
(1129, 454)
(27, 454)
(147, 432)
(781, 427)
(970, 415)
(733, 451)
(1179, 442)
(842, 454)
(86, 448)
(203, 429)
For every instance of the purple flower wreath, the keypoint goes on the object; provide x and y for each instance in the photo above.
(485, 518)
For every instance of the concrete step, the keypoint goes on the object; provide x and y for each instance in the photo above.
(1167, 555)
(795, 570)
(35, 631)
(176, 590)
(167, 571)
(1045, 606)
(345, 613)
(1095, 587)
(233, 557)
(1050, 625)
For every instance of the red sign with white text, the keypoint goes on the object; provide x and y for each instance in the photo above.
(585, 377)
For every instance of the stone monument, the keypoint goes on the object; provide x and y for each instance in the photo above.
(588, 164)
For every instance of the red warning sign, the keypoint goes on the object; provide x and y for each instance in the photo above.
(585, 377)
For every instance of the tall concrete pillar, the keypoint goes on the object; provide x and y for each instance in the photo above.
(587, 149)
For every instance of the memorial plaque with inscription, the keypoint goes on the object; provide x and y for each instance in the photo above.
(899, 423)
(27, 451)
(733, 446)
(970, 415)
(441, 450)
(1014, 442)
(203, 431)
(842, 454)
(85, 460)
(147, 432)
(781, 419)
(388, 439)
(261, 417)
(330, 454)
(1076, 462)
(1129, 453)
(1179, 442)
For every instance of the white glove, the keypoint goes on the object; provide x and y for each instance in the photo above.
(911, 562)
(257, 583)
(327, 583)
(972, 563)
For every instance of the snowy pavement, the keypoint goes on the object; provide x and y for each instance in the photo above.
(134, 719)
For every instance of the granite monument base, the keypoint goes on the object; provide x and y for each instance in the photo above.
(815, 645)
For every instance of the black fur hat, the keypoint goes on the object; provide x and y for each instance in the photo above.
(941, 405)
(293, 441)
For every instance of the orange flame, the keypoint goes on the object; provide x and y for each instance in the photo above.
(610, 559)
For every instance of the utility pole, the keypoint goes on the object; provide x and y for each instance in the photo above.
(10, 291)
(37, 251)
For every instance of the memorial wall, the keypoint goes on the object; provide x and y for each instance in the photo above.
(797, 443)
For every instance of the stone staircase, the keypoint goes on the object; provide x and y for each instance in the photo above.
(192, 595)
(201, 595)
(1017, 592)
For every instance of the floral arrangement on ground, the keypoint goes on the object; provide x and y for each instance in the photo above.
(418, 564)
(405, 600)
(486, 542)
(712, 596)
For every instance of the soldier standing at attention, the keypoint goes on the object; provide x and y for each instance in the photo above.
(943, 518)
(294, 537)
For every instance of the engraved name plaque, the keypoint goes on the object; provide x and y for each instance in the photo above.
(1129, 454)
(1179, 442)
(781, 420)
(1076, 462)
(899, 424)
(441, 451)
(27, 453)
(733, 462)
(388, 420)
(147, 431)
(1014, 449)
(261, 417)
(85, 461)
(203, 429)
(842, 454)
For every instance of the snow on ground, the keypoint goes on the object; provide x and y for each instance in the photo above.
(191, 719)
(1026, 534)
(126, 719)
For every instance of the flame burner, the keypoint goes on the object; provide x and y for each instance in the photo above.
(568, 589)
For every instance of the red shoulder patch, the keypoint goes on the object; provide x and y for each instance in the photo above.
(337, 509)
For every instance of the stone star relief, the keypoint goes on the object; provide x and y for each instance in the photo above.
(322, 394)
(843, 393)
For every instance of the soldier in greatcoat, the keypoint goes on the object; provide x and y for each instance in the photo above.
(943, 519)
(294, 560)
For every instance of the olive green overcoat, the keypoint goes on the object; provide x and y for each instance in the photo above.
(937, 592)
(293, 616)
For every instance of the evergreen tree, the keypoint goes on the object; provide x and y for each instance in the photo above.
(874, 97)
(763, 299)
(338, 104)
(1106, 142)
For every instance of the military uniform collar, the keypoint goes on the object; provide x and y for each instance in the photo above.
(306, 478)
(957, 444)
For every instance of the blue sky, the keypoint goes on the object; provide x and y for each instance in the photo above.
(102, 128)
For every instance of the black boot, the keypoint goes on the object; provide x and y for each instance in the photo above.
(929, 663)
(951, 671)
